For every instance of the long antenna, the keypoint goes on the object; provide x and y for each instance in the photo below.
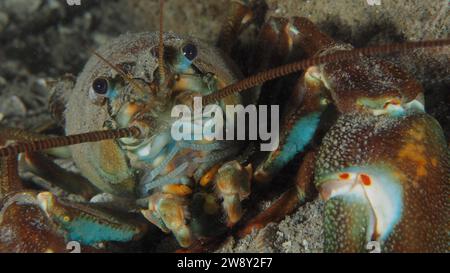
(284, 70)
(162, 72)
(54, 142)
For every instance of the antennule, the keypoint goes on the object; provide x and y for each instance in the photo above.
(54, 142)
(338, 56)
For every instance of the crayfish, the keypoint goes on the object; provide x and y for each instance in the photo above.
(382, 166)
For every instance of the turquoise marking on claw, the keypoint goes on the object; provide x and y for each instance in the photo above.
(396, 111)
(88, 232)
(301, 134)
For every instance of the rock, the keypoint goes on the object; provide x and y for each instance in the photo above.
(4, 20)
(12, 106)
(2, 82)
(286, 245)
(305, 244)
(21, 7)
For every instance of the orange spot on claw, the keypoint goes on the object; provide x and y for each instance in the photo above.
(344, 176)
(366, 179)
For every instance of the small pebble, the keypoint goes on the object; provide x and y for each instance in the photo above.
(4, 20)
(13, 106)
(305, 244)
(21, 7)
(287, 245)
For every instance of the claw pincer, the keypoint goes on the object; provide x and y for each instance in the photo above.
(385, 179)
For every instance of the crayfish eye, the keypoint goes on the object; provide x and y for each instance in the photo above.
(100, 86)
(190, 51)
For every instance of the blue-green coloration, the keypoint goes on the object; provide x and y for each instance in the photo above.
(301, 134)
(112, 93)
(182, 64)
(88, 232)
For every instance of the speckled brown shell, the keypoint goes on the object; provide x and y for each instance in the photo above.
(414, 147)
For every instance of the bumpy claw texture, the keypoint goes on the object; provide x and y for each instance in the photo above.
(386, 179)
(25, 228)
(87, 224)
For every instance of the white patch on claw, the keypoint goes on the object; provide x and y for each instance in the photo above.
(378, 186)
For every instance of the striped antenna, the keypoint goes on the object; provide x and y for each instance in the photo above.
(162, 72)
(287, 69)
(54, 142)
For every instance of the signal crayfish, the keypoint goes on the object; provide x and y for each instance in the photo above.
(381, 164)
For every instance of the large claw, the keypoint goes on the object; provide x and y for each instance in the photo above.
(25, 228)
(87, 224)
(387, 181)
(38, 222)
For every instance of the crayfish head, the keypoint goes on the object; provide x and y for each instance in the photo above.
(124, 86)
